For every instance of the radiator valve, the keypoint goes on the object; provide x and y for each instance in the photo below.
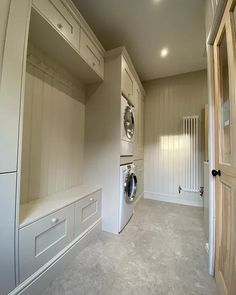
(201, 191)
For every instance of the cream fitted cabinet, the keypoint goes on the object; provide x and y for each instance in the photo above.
(139, 170)
(88, 55)
(91, 54)
(60, 18)
(43, 235)
(43, 239)
(139, 124)
(37, 231)
(127, 81)
(87, 211)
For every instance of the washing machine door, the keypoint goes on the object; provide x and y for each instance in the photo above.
(129, 122)
(130, 187)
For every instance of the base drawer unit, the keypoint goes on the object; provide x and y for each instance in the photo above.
(87, 212)
(43, 239)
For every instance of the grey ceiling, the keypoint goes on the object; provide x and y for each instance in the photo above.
(144, 27)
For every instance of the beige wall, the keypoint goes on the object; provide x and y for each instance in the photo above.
(4, 10)
(167, 101)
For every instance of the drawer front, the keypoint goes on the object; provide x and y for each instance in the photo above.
(127, 82)
(91, 54)
(56, 14)
(87, 211)
(43, 239)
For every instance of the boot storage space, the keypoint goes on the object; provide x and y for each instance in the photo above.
(57, 209)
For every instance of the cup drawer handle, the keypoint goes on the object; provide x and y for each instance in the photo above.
(54, 220)
(60, 26)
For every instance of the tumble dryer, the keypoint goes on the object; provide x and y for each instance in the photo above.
(127, 127)
(128, 189)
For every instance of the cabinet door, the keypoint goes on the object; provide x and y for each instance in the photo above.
(7, 230)
(136, 121)
(87, 212)
(139, 125)
(139, 170)
(91, 54)
(141, 137)
(42, 240)
(60, 18)
(11, 83)
(127, 82)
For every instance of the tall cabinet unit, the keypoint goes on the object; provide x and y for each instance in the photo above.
(10, 101)
(103, 131)
(139, 140)
(48, 210)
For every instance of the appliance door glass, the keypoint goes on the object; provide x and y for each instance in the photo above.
(130, 187)
(129, 122)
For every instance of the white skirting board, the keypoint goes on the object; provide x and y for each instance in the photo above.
(189, 199)
(42, 278)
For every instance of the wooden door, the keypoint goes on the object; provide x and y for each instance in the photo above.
(225, 144)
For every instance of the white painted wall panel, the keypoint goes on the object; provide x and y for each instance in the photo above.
(53, 136)
(167, 102)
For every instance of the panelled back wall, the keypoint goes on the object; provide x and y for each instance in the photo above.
(168, 100)
(53, 128)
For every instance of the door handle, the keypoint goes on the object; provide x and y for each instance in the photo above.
(216, 172)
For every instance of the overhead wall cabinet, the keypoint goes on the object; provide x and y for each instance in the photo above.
(59, 31)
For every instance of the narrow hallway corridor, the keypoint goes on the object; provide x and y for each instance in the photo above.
(161, 251)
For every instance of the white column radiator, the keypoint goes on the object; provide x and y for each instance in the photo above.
(191, 150)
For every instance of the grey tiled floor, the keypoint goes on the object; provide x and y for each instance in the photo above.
(161, 252)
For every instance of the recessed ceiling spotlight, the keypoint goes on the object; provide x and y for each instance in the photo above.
(164, 52)
(156, 1)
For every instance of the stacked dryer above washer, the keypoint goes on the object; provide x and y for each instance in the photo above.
(127, 128)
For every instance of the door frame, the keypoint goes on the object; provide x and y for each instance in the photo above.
(223, 7)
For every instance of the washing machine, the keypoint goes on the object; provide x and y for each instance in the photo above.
(128, 189)
(127, 127)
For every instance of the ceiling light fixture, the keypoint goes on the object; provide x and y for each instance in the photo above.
(164, 52)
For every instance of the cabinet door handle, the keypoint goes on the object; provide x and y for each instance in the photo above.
(54, 220)
(91, 199)
(60, 26)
